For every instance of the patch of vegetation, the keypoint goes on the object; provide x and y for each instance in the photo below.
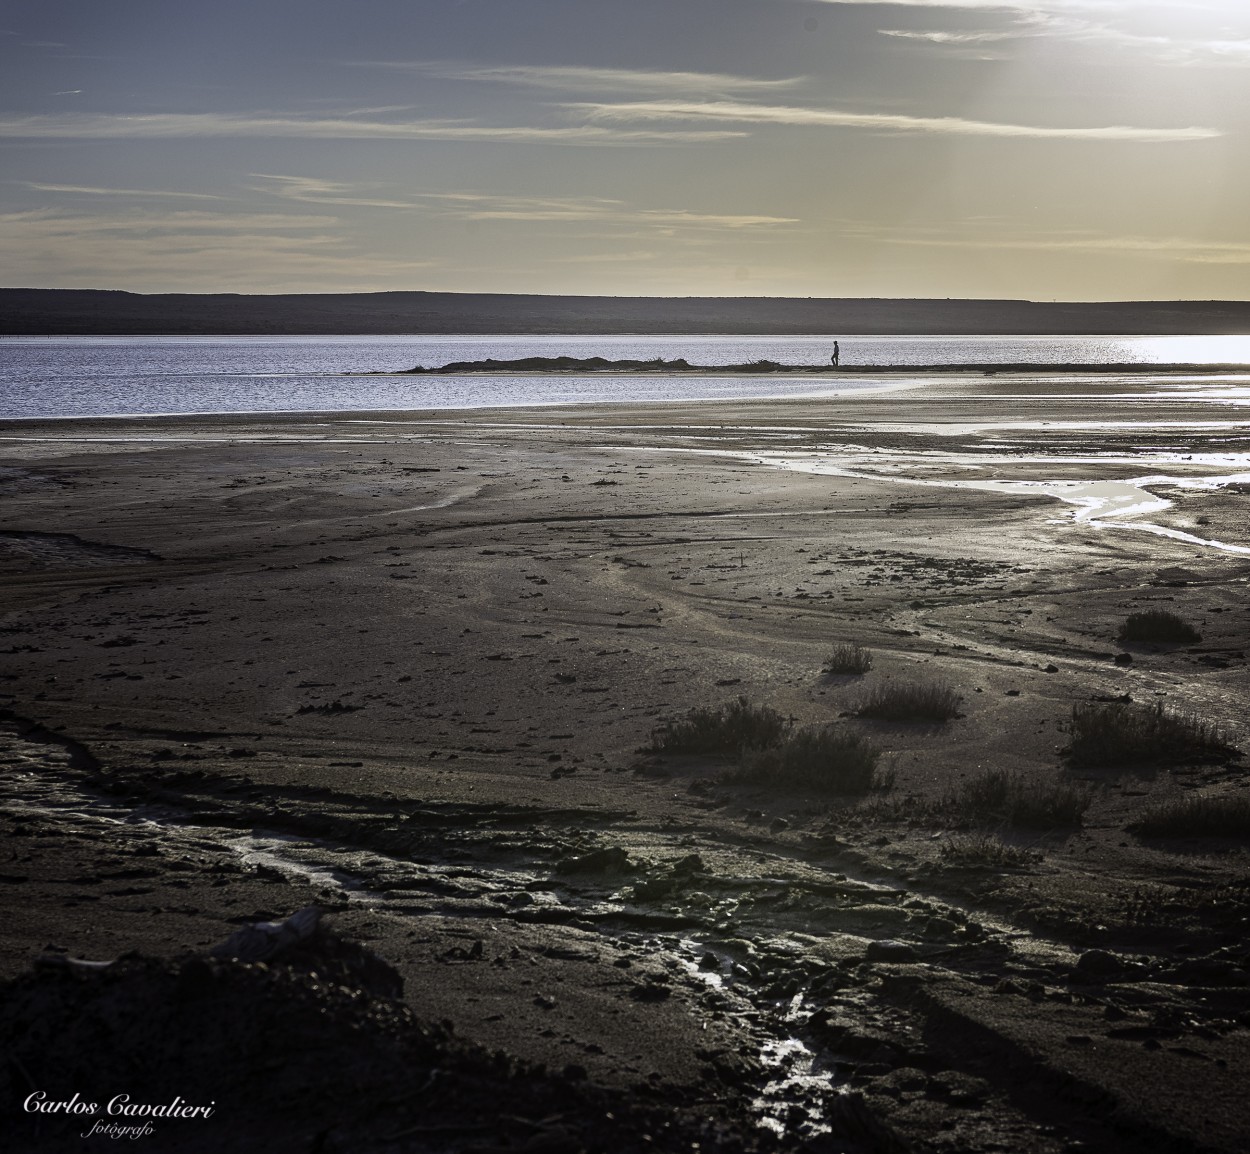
(332, 708)
(986, 852)
(997, 795)
(831, 760)
(932, 701)
(729, 728)
(848, 659)
(1225, 817)
(1158, 625)
(1225, 906)
(1118, 733)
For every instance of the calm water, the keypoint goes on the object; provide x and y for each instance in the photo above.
(112, 376)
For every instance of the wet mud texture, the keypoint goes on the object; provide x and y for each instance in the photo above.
(408, 668)
(319, 1058)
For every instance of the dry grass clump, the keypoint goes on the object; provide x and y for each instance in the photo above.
(1116, 733)
(830, 760)
(1157, 625)
(848, 659)
(730, 728)
(932, 701)
(1224, 817)
(997, 795)
(986, 852)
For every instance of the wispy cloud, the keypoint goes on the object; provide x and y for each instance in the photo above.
(1108, 24)
(1032, 7)
(194, 252)
(566, 78)
(89, 190)
(47, 222)
(485, 206)
(662, 110)
(948, 37)
(314, 190)
(1179, 248)
(208, 124)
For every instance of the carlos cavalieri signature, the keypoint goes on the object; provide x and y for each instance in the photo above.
(119, 1106)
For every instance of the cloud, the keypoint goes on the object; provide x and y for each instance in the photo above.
(193, 252)
(1034, 8)
(479, 206)
(1107, 24)
(582, 79)
(948, 37)
(1174, 247)
(312, 190)
(601, 210)
(44, 222)
(163, 126)
(88, 190)
(878, 122)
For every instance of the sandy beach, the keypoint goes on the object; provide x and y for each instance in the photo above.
(410, 667)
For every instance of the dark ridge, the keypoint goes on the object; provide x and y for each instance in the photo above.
(681, 365)
(95, 311)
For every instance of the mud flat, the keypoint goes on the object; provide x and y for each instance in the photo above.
(410, 667)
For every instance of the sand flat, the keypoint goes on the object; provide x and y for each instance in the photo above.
(408, 665)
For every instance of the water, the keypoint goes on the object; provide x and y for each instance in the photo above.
(116, 376)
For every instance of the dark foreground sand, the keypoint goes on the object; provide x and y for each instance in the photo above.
(403, 666)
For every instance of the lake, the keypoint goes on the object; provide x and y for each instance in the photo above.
(116, 376)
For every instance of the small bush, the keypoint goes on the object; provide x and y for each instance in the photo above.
(1157, 625)
(830, 760)
(1116, 733)
(911, 701)
(997, 795)
(726, 729)
(848, 659)
(986, 852)
(1227, 817)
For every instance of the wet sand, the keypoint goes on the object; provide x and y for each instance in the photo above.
(408, 665)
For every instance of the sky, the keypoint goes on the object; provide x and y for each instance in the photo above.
(1035, 149)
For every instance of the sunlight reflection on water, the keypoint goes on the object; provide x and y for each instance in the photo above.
(110, 376)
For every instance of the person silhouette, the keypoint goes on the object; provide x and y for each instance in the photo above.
(837, 354)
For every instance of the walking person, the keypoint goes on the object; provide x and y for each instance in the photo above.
(837, 355)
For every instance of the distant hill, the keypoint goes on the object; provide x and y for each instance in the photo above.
(100, 312)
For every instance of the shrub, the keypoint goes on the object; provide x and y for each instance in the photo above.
(1197, 817)
(1116, 733)
(911, 701)
(997, 795)
(986, 852)
(1157, 625)
(830, 760)
(726, 729)
(848, 659)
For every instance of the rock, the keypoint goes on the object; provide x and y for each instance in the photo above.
(265, 940)
(1097, 966)
(887, 950)
(902, 1080)
(609, 860)
(1208, 972)
(959, 1089)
